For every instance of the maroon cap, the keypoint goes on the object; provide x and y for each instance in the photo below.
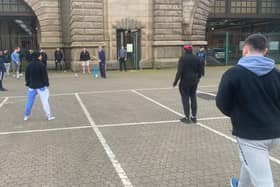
(187, 47)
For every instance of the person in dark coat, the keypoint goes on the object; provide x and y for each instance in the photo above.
(44, 57)
(201, 54)
(37, 81)
(122, 58)
(7, 61)
(102, 63)
(2, 70)
(249, 93)
(28, 55)
(84, 58)
(58, 56)
(189, 73)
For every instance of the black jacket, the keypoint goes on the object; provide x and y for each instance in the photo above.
(2, 66)
(189, 70)
(84, 56)
(36, 75)
(252, 102)
(44, 58)
(58, 55)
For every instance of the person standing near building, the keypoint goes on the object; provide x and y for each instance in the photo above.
(102, 63)
(2, 70)
(84, 58)
(58, 56)
(44, 57)
(202, 56)
(16, 62)
(122, 58)
(189, 73)
(249, 93)
(7, 62)
(28, 55)
(37, 81)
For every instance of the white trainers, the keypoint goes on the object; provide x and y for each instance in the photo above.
(51, 118)
(26, 118)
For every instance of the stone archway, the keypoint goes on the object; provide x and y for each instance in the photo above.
(199, 19)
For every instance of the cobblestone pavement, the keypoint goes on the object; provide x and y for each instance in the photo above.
(122, 131)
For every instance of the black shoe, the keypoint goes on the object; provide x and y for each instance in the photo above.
(194, 120)
(3, 89)
(185, 120)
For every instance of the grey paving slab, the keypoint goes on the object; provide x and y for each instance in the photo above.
(224, 126)
(64, 158)
(124, 107)
(66, 109)
(172, 99)
(173, 155)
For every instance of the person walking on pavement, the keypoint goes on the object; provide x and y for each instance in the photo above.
(122, 58)
(7, 62)
(44, 57)
(37, 81)
(102, 63)
(202, 56)
(249, 93)
(2, 70)
(84, 58)
(16, 62)
(58, 56)
(189, 73)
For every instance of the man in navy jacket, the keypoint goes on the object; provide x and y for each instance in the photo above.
(249, 94)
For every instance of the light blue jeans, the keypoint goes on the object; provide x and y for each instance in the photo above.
(44, 96)
(255, 164)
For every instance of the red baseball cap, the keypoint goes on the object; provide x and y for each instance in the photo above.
(188, 47)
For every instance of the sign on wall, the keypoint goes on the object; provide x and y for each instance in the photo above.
(273, 45)
(129, 48)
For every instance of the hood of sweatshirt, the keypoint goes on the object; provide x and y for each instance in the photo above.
(259, 65)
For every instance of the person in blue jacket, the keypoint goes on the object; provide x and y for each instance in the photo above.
(249, 93)
(102, 63)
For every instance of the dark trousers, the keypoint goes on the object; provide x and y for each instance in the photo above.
(1, 79)
(56, 64)
(122, 64)
(102, 69)
(188, 93)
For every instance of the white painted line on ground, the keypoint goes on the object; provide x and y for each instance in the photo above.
(102, 126)
(45, 130)
(213, 118)
(207, 93)
(120, 171)
(200, 124)
(106, 91)
(137, 123)
(3, 102)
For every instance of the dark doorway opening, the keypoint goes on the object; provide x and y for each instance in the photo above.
(131, 41)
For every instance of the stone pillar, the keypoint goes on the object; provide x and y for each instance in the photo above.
(167, 36)
(87, 28)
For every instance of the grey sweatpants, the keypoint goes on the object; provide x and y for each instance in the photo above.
(255, 164)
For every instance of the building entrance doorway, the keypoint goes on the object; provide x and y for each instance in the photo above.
(131, 41)
(18, 25)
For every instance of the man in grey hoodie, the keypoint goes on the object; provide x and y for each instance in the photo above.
(249, 94)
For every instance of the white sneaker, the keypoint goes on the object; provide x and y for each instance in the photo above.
(17, 76)
(26, 118)
(20, 74)
(51, 118)
(14, 76)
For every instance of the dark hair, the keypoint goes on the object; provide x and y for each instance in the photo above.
(257, 42)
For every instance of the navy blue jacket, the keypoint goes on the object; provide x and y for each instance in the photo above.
(36, 75)
(252, 102)
(2, 65)
(102, 56)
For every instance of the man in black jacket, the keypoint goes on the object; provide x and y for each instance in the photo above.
(37, 81)
(58, 56)
(2, 70)
(44, 57)
(84, 58)
(189, 74)
(249, 94)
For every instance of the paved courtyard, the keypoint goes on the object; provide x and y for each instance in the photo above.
(122, 131)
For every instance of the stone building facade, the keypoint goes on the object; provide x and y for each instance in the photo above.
(163, 27)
